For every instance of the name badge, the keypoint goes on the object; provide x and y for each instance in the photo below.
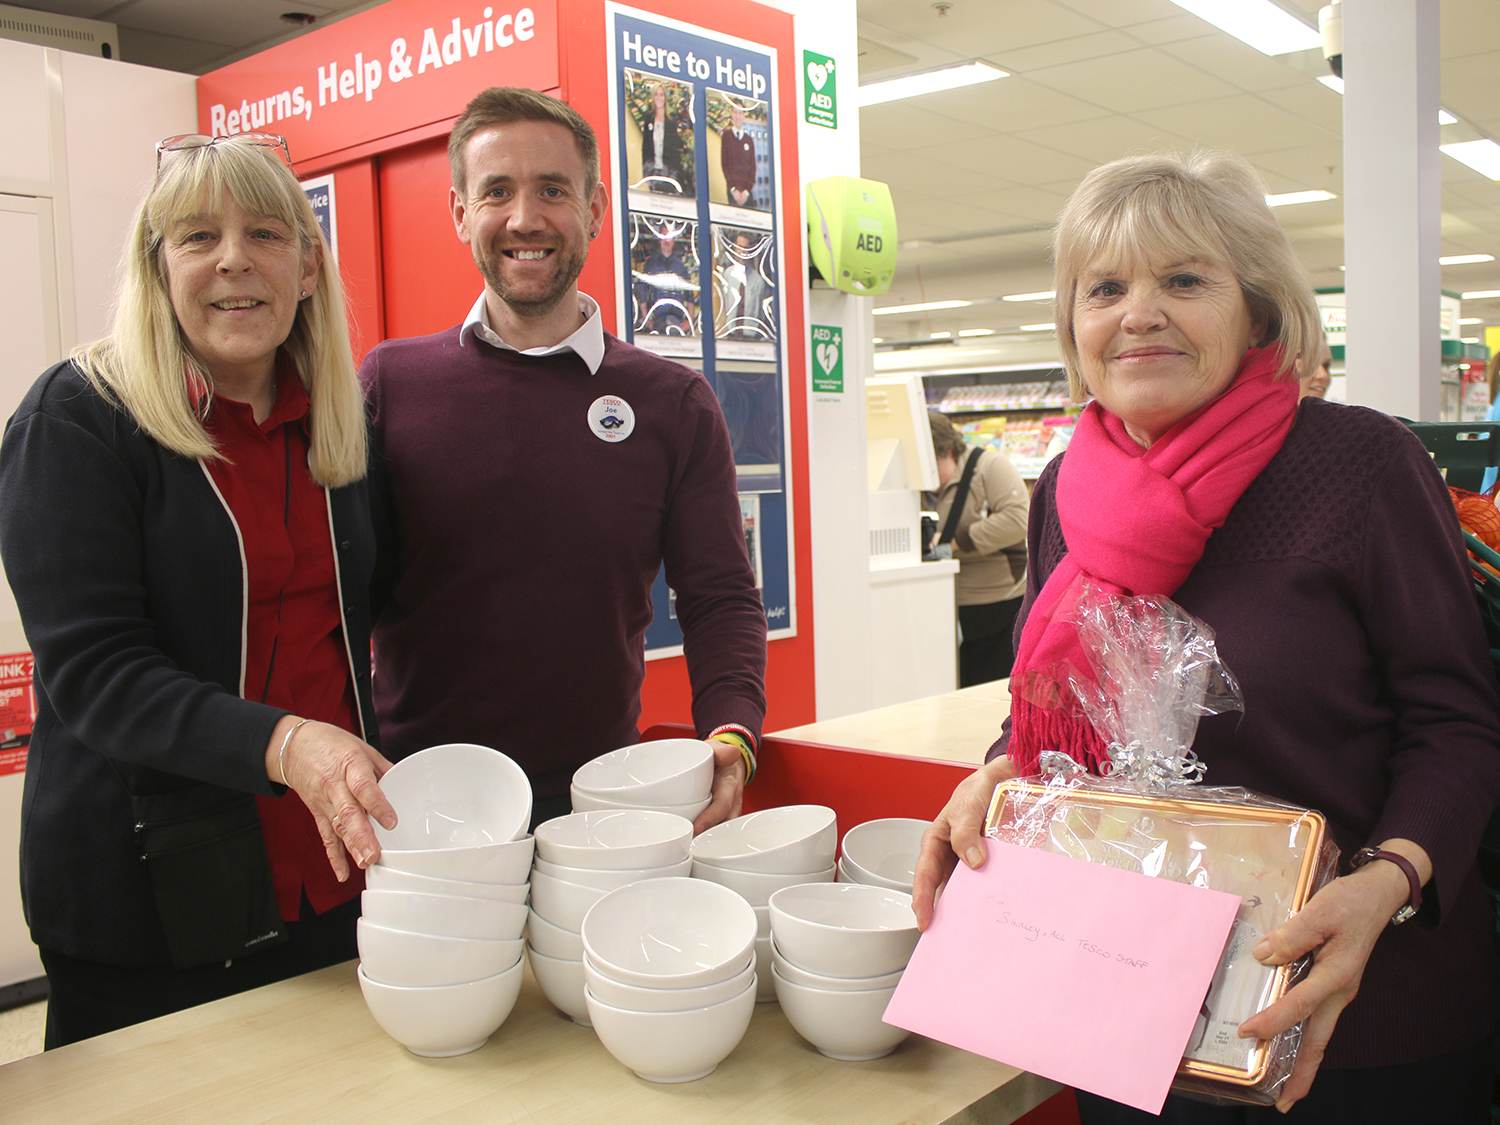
(611, 418)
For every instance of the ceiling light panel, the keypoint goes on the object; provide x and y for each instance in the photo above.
(1287, 198)
(1482, 156)
(928, 82)
(928, 307)
(1465, 259)
(1260, 23)
(1047, 296)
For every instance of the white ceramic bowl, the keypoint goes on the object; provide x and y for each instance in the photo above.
(504, 863)
(885, 851)
(587, 802)
(553, 941)
(669, 933)
(844, 929)
(379, 877)
(849, 872)
(609, 880)
(444, 915)
(672, 771)
(453, 796)
(561, 903)
(842, 1025)
(561, 982)
(756, 887)
(782, 840)
(410, 960)
(450, 1020)
(634, 998)
(615, 839)
(765, 988)
(801, 976)
(672, 1046)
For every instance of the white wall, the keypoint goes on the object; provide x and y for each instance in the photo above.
(76, 153)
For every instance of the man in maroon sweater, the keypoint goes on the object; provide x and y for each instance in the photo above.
(737, 157)
(539, 474)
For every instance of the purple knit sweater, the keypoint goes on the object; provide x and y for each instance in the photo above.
(528, 547)
(1339, 592)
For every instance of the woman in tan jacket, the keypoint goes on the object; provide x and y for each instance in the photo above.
(989, 542)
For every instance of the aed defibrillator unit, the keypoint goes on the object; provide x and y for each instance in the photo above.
(851, 234)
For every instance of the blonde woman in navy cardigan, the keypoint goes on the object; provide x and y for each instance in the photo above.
(185, 526)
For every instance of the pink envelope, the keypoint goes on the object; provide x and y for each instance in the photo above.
(1081, 973)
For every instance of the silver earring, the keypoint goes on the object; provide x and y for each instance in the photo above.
(302, 295)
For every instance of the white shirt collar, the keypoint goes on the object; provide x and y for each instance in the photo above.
(587, 342)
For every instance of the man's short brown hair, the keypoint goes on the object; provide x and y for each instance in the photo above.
(503, 105)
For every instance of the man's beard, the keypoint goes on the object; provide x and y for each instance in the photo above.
(534, 303)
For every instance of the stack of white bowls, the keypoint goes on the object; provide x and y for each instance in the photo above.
(839, 951)
(672, 775)
(670, 971)
(579, 859)
(759, 854)
(443, 910)
(882, 853)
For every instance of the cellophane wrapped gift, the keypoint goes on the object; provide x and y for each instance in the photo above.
(1156, 673)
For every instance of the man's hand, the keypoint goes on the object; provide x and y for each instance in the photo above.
(728, 787)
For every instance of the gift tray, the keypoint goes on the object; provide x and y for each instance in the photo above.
(1273, 856)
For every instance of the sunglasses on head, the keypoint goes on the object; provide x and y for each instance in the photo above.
(185, 141)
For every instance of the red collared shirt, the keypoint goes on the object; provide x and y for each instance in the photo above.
(295, 653)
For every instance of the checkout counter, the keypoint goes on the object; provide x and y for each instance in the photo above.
(307, 1049)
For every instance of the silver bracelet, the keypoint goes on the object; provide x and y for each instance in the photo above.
(285, 742)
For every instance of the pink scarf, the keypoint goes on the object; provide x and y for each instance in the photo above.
(1136, 521)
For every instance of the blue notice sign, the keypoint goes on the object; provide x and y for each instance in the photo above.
(320, 194)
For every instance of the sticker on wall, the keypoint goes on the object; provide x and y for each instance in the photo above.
(611, 418)
(828, 360)
(17, 711)
(820, 100)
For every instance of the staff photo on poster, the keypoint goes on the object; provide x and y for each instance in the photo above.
(738, 151)
(661, 149)
(664, 293)
(744, 273)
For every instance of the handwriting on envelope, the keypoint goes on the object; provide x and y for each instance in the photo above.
(1075, 971)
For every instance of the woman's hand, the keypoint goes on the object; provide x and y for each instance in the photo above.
(957, 831)
(1339, 927)
(336, 776)
(728, 787)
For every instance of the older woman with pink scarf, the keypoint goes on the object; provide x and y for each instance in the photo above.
(1320, 544)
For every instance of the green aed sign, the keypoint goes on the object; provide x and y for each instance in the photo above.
(820, 103)
(828, 359)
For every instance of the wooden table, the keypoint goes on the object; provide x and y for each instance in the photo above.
(957, 726)
(307, 1050)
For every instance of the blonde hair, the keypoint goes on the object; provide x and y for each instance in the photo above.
(1168, 208)
(145, 364)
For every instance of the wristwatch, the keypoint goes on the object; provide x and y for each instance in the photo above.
(1414, 903)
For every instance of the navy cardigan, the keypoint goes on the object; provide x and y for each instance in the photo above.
(129, 575)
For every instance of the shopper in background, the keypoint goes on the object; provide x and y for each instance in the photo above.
(181, 505)
(542, 473)
(988, 536)
(1345, 611)
(1316, 382)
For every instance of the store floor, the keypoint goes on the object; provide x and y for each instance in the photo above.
(21, 1031)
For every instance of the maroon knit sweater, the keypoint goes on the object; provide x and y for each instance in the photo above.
(1339, 592)
(528, 546)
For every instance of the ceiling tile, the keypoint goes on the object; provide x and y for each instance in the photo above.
(237, 24)
(1011, 103)
(1173, 29)
(1304, 168)
(1124, 13)
(1019, 60)
(1132, 81)
(169, 52)
(1233, 61)
(1105, 138)
(909, 123)
(1016, 160)
(1313, 102)
(1244, 123)
(971, 28)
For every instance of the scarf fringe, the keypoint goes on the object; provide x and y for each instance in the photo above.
(1035, 729)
